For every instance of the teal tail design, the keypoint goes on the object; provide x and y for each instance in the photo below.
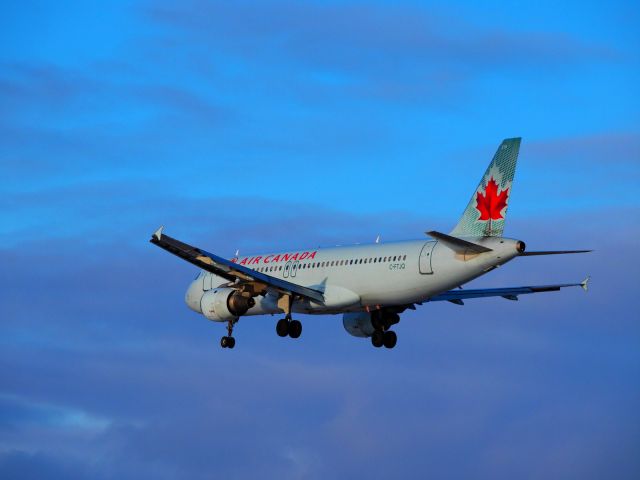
(486, 212)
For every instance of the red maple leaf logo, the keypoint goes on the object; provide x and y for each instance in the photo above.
(491, 203)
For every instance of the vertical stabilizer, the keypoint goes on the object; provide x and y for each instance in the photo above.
(486, 212)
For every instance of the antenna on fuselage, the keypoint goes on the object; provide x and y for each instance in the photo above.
(378, 239)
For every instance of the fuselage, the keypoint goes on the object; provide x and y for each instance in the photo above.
(362, 277)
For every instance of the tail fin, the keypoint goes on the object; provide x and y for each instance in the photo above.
(485, 214)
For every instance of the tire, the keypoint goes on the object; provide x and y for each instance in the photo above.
(377, 339)
(295, 328)
(231, 342)
(223, 342)
(390, 339)
(282, 327)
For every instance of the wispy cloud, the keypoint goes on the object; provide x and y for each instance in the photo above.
(395, 52)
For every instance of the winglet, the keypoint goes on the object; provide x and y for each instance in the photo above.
(585, 283)
(158, 233)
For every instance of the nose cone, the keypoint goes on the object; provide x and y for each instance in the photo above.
(194, 295)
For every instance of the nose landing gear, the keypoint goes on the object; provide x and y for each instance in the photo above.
(228, 341)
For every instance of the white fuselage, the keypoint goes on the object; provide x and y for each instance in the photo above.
(362, 277)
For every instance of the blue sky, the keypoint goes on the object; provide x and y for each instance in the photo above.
(273, 125)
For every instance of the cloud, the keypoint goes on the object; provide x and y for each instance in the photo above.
(478, 388)
(615, 149)
(394, 52)
(16, 412)
(34, 466)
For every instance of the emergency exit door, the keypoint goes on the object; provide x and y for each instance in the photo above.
(426, 254)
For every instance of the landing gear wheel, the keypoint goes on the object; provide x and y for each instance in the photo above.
(390, 339)
(295, 328)
(228, 341)
(282, 327)
(377, 339)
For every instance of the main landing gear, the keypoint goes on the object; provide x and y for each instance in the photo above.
(382, 321)
(228, 341)
(287, 326)
(380, 338)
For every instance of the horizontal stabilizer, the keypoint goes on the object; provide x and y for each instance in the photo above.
(456, 244)
(553, 252)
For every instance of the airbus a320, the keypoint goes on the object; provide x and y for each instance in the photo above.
(369, 285)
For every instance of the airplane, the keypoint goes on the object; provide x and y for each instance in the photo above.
(370, 285)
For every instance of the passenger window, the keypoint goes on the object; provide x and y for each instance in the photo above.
(404, 258)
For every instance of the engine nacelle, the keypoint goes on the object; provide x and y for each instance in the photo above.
(224, 304)
(358, 324)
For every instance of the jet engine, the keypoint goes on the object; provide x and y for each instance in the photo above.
(363, 324)
(224, 304)
(358, 324)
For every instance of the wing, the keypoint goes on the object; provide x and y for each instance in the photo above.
(231, 271)
(510, 293)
